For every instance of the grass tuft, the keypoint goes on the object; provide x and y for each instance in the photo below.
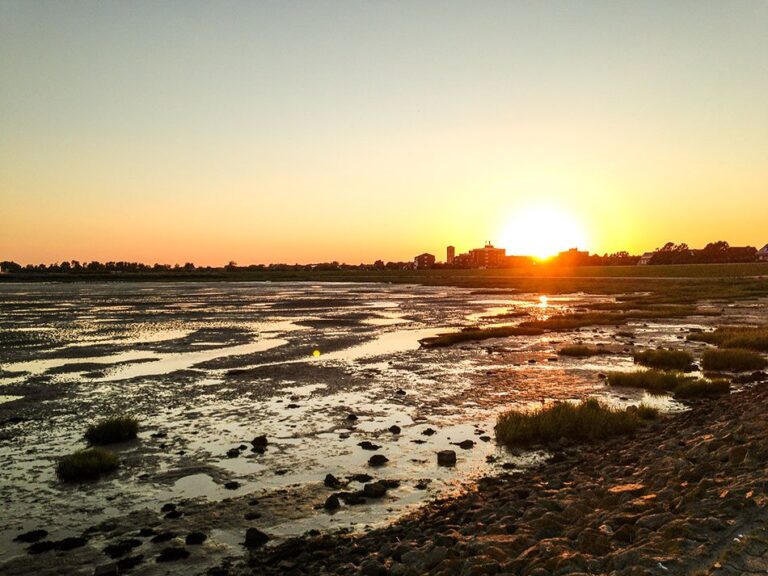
(703, 388)
(86, 464)
(745, 337)
(588, 420)
(659, 382)
(113, 430)
(582, 351)
(733, 360)
(471, 334)
(665, 359)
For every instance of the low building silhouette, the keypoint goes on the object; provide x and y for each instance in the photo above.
(425, 260)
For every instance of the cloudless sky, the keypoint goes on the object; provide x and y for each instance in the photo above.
(313, 131)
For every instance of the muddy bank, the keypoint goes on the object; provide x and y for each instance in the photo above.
(687, 496)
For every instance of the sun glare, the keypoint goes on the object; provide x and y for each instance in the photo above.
(542, 231)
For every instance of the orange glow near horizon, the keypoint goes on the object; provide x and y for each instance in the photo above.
(542, 231)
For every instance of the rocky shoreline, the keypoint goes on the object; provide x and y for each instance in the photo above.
(685, 496)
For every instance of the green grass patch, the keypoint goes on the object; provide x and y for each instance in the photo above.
(660, 382)
(746, 337)
(703, 388)
(113, 430)
(472, 334)
(588, 420)
(86, 464)
(582, 351)
(665, 359)
(733, 360)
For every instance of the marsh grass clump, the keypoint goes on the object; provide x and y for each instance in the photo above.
(588, 420)
(579, 351)
(733, 360)
(86, 464)
(654, 381)
(744, 337)
(665, 359)
(659, 382)
(113, 430)
(471, 334)
(696, 388)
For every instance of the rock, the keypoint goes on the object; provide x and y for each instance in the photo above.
(446, 458)
(106, 570)
(366, 445)
(233, 453)
(428, 432)
(362, 478)
(129, 562)
(252, 515)
(168, 507)
(395, 429)
(332, 502)
(70, 543)
(352, 417)
(259, 444)
(163, 537)
(147, 532)
(400, 392)
(173, 514)
(377, 460)
(331, 481)
(255, 538)
(172, 554)
(41, 546)
(232, 485)
(121, 548)
(195, 538)
(31, 536)
(374, 490)
(655, 521)
(465, 444)
(390, 484)
(372, 567)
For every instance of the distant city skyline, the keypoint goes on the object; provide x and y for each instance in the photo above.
(316, 131)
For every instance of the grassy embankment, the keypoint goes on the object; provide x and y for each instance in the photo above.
(586, 421)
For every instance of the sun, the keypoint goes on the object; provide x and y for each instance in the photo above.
(542, 231)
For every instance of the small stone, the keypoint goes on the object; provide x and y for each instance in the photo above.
(362, 478)
(70, 543)
(465, 444)
(400, 392)
(106, 570)
(121, 548)
(351, 417)
(129, 562)
(233, 453)
(366, 445)
(195, 538)
(332, 502)
(41, 547)
(331, 481)
(446, 458)
(172, 554)
(252, 515)
(255, 538)
(232, 485)
(259, 444)
(163, 537)
(31, 536)
(173, 514)
(372, 567)
(374, 490)
(428, 432)
(395, 429)
(168, 507)
(377, 460)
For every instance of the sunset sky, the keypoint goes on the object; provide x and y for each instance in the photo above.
(314, 131)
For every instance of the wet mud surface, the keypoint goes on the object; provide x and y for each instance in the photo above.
(318, 369)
